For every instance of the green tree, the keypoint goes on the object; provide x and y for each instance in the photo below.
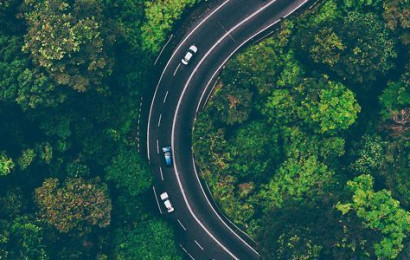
(323, 105)
(336, 108)
(6, 164)
(8, 18)
(289, 234)
(379, 212)
(69, 41)
(160, 17)
(235, 199)
(209, 145)
(4, 239)
(232, 105)
(129, 172)
(259, 66)
(297, 143)
(12, 204)
(78, 205)
(327, 47)
(369, 154)
(369, 48)
(281, 107)
(396, 167)
(396, 95)
(361, 4)
(298, 179)
(138, 242)
(357, 47)
(20, 82)
(397, 19)
(254, 151)
(28, 239)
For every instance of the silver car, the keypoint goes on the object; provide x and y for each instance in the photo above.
(189, 54)
(165, 198)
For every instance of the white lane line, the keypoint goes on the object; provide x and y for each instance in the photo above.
(186, 252)
(209, 191)
(196, 242)
(295, 9)
(174, 124)
(226, 60)
(176, 70)
(209, 82)
(209, 95)
(165, 98)
(219, 41)
(159, 120)
(173, 135)
(163, 48)
(156, 198)
(166, 66)
(266, 36)
(223, 64)
(157, 147)
(180, 223)
(162, 176)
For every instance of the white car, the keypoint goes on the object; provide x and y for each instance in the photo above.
(188, 55)
(165, 198)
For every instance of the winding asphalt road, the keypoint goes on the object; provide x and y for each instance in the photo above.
(181, 92)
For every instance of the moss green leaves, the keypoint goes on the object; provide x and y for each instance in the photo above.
(325, 106)
(298, 179)
(129, 172)
(6, 164)
(77, 205)
(68, 42)
(379, 212)
(161, 15)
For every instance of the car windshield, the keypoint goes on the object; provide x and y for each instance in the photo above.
(188, 56)
(167, 204)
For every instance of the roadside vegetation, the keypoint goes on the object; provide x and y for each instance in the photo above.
(72, 184)
(305, 142)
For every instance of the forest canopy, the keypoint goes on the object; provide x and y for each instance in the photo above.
(305, 142)
(73, 184)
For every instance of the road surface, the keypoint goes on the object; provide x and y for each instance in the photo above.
(181, 92)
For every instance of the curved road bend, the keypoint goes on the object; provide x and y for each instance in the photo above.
(180, 91)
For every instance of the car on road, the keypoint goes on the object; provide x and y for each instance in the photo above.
(167, 155)
(189, 54)
(165, 198)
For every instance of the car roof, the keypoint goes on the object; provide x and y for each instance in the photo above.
(168, 204)
(168, 160)
(188, 55)
(164, 196)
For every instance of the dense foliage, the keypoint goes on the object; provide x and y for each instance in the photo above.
(73, 185)
(305, 140)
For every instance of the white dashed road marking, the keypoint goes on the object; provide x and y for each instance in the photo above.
(196, 242)
(190, 256)
(162, 176)
(165, 98)
(176, 70)
(180, 223)
(159, 120)
(156, 199)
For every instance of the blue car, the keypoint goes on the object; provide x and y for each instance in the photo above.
(167, 155)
